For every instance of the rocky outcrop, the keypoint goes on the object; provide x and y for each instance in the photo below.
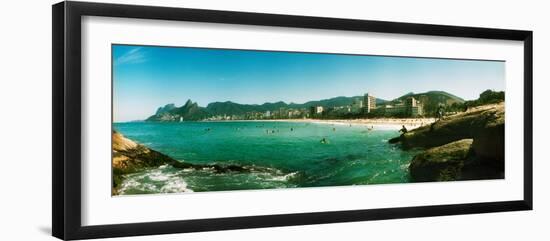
(466, 146)
(489, 141)
(130, 157)
(474, 123)
(454, 161)
(443, 163)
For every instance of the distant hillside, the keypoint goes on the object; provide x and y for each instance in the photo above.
(232, 108)
(191, 111)
(333, 102)
(432, 99)
(434, 95)
(165, 109)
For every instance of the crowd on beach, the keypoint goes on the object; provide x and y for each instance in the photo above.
(387, 123)
(402, 125)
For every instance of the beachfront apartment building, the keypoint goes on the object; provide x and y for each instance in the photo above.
(356, 105)
(414, 107)
(315, 111)
(411, 107)
(318, 109)
(369, 102)
(395, 109)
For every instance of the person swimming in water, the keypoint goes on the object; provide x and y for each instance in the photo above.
(324, 141)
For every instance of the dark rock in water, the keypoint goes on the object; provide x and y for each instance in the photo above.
(464, 125)
(130, 157)
(489, 142)
(464, 146)
(443, 163)
(488, 147)
(455, 161)
(451, 157)
(394, 140)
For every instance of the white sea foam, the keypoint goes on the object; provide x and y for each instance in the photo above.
(175, 185)
(376, 125)
(373, 177)
(159, 180)
(159, 176)
(133, 184)
(283, 177)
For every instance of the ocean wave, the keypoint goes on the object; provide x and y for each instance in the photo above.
(175, 186)
(135, 186)
(373, 177)
(163, 179)
(158, 175)
(284, 178)
(233, 168)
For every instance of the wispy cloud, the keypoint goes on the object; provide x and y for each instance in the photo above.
(134, 56)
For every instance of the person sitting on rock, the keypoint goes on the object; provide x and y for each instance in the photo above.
(403, 129)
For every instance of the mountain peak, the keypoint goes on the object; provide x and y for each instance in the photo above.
(192, 111)
(165, 108)
(188, 102)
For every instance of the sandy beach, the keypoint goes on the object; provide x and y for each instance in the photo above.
(385, 123)
(376, 123)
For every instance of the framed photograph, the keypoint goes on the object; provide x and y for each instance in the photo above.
(169, 120)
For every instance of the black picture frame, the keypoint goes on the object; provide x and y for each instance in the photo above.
(66, 75)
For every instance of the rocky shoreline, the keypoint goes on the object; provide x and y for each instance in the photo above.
(465, 146)
(131, 157)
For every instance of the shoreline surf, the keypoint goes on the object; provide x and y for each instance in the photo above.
(292, 153)
(378, 123)
(383, 123)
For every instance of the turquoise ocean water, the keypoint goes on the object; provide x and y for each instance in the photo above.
(286, 154)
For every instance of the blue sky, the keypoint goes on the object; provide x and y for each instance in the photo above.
(145, 77)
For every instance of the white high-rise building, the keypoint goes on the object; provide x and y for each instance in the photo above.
(369, 102)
